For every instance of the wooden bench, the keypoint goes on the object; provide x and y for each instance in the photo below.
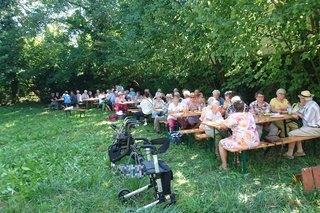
(81, 111)
(133, 110)
(190, 133)
(263, 144)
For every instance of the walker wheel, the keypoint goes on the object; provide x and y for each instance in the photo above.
(122, 193)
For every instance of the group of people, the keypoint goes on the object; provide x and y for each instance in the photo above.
(230, 112)
(235, 116)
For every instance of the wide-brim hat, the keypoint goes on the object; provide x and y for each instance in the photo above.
(305, 94)
(169, 96)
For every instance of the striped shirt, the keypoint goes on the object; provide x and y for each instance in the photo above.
(311, 114)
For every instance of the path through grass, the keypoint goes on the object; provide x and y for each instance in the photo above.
(53, 163)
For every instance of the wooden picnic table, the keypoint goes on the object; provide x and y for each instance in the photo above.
(60, 100)
(89, 100)
(127, 102)
(183, 115)
(261, 120)
(187, 114)
(158, 110)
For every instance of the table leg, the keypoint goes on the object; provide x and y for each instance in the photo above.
(285, 128)
(243, 162)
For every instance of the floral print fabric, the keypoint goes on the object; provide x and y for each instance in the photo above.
(244, 131)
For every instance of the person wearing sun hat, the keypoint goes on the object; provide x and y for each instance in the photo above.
(310, 115)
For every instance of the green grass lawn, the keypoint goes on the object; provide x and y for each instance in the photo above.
(53, 163)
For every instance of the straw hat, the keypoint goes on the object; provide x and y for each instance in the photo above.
(306, 94)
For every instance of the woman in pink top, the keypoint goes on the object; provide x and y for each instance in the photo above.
(244, 132)
(120, 99)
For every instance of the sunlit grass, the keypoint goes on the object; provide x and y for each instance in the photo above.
(53, 163)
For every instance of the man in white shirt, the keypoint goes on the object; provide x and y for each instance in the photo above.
(310, 115)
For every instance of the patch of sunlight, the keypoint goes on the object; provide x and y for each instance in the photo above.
(182, 164)
(44, 113)
(180, 178)
(245, 198)
(193, 157)
(103, 123)
(106, 185)
(257, 181)
(8, 125)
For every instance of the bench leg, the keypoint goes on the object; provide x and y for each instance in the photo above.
(243, 162)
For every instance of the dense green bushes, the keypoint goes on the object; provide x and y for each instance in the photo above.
(241, 45)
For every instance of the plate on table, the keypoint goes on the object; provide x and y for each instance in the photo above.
(178, 113)
(276, 115)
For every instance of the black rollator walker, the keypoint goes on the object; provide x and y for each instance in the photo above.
(158, 171)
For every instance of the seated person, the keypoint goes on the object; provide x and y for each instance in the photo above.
(192, 106)
(213, 114)
(138, 98)
(66, 99)
(244, 132)
(310, 115)
(280, 105)
(84, 95)
(174, 107)
(53, 101)
(102, 98)
(260, 107)
(112, 99)
(90, 94)
(186, 98)
(163, 117)
(73, 98)
(132, 94)
(146, 108)
(227, 103)
(120, 99)
(216, 95)
(157, 103)
(97, 93)
(79, 96)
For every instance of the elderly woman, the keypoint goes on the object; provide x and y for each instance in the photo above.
(192, 105)
(212, 113)
(174, 107)
(120, 99)
(227, 103)
(280, 105)
(146, 108)
(310, 115)
(157, 104)
(260, 107)
(244, 132)
(163, 117)
(216, 95)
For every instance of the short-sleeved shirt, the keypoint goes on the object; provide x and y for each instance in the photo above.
(311, 114)
(244, 131)
(146, 106)
(255, 107)
(279, 105)
(174, 108)
(66, 98)
(159, 104)
(210, 116)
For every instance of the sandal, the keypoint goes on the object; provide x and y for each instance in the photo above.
(290, 157)
(299, 154)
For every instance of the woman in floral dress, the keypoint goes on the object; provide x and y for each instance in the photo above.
(244, 132)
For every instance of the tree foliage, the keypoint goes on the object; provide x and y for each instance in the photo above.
(49, 45)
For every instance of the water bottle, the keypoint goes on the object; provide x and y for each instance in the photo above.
(289, 110)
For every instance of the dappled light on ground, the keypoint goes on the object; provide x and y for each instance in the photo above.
(50, 161)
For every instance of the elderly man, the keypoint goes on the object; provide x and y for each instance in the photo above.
(216, 95)
(310, 115)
